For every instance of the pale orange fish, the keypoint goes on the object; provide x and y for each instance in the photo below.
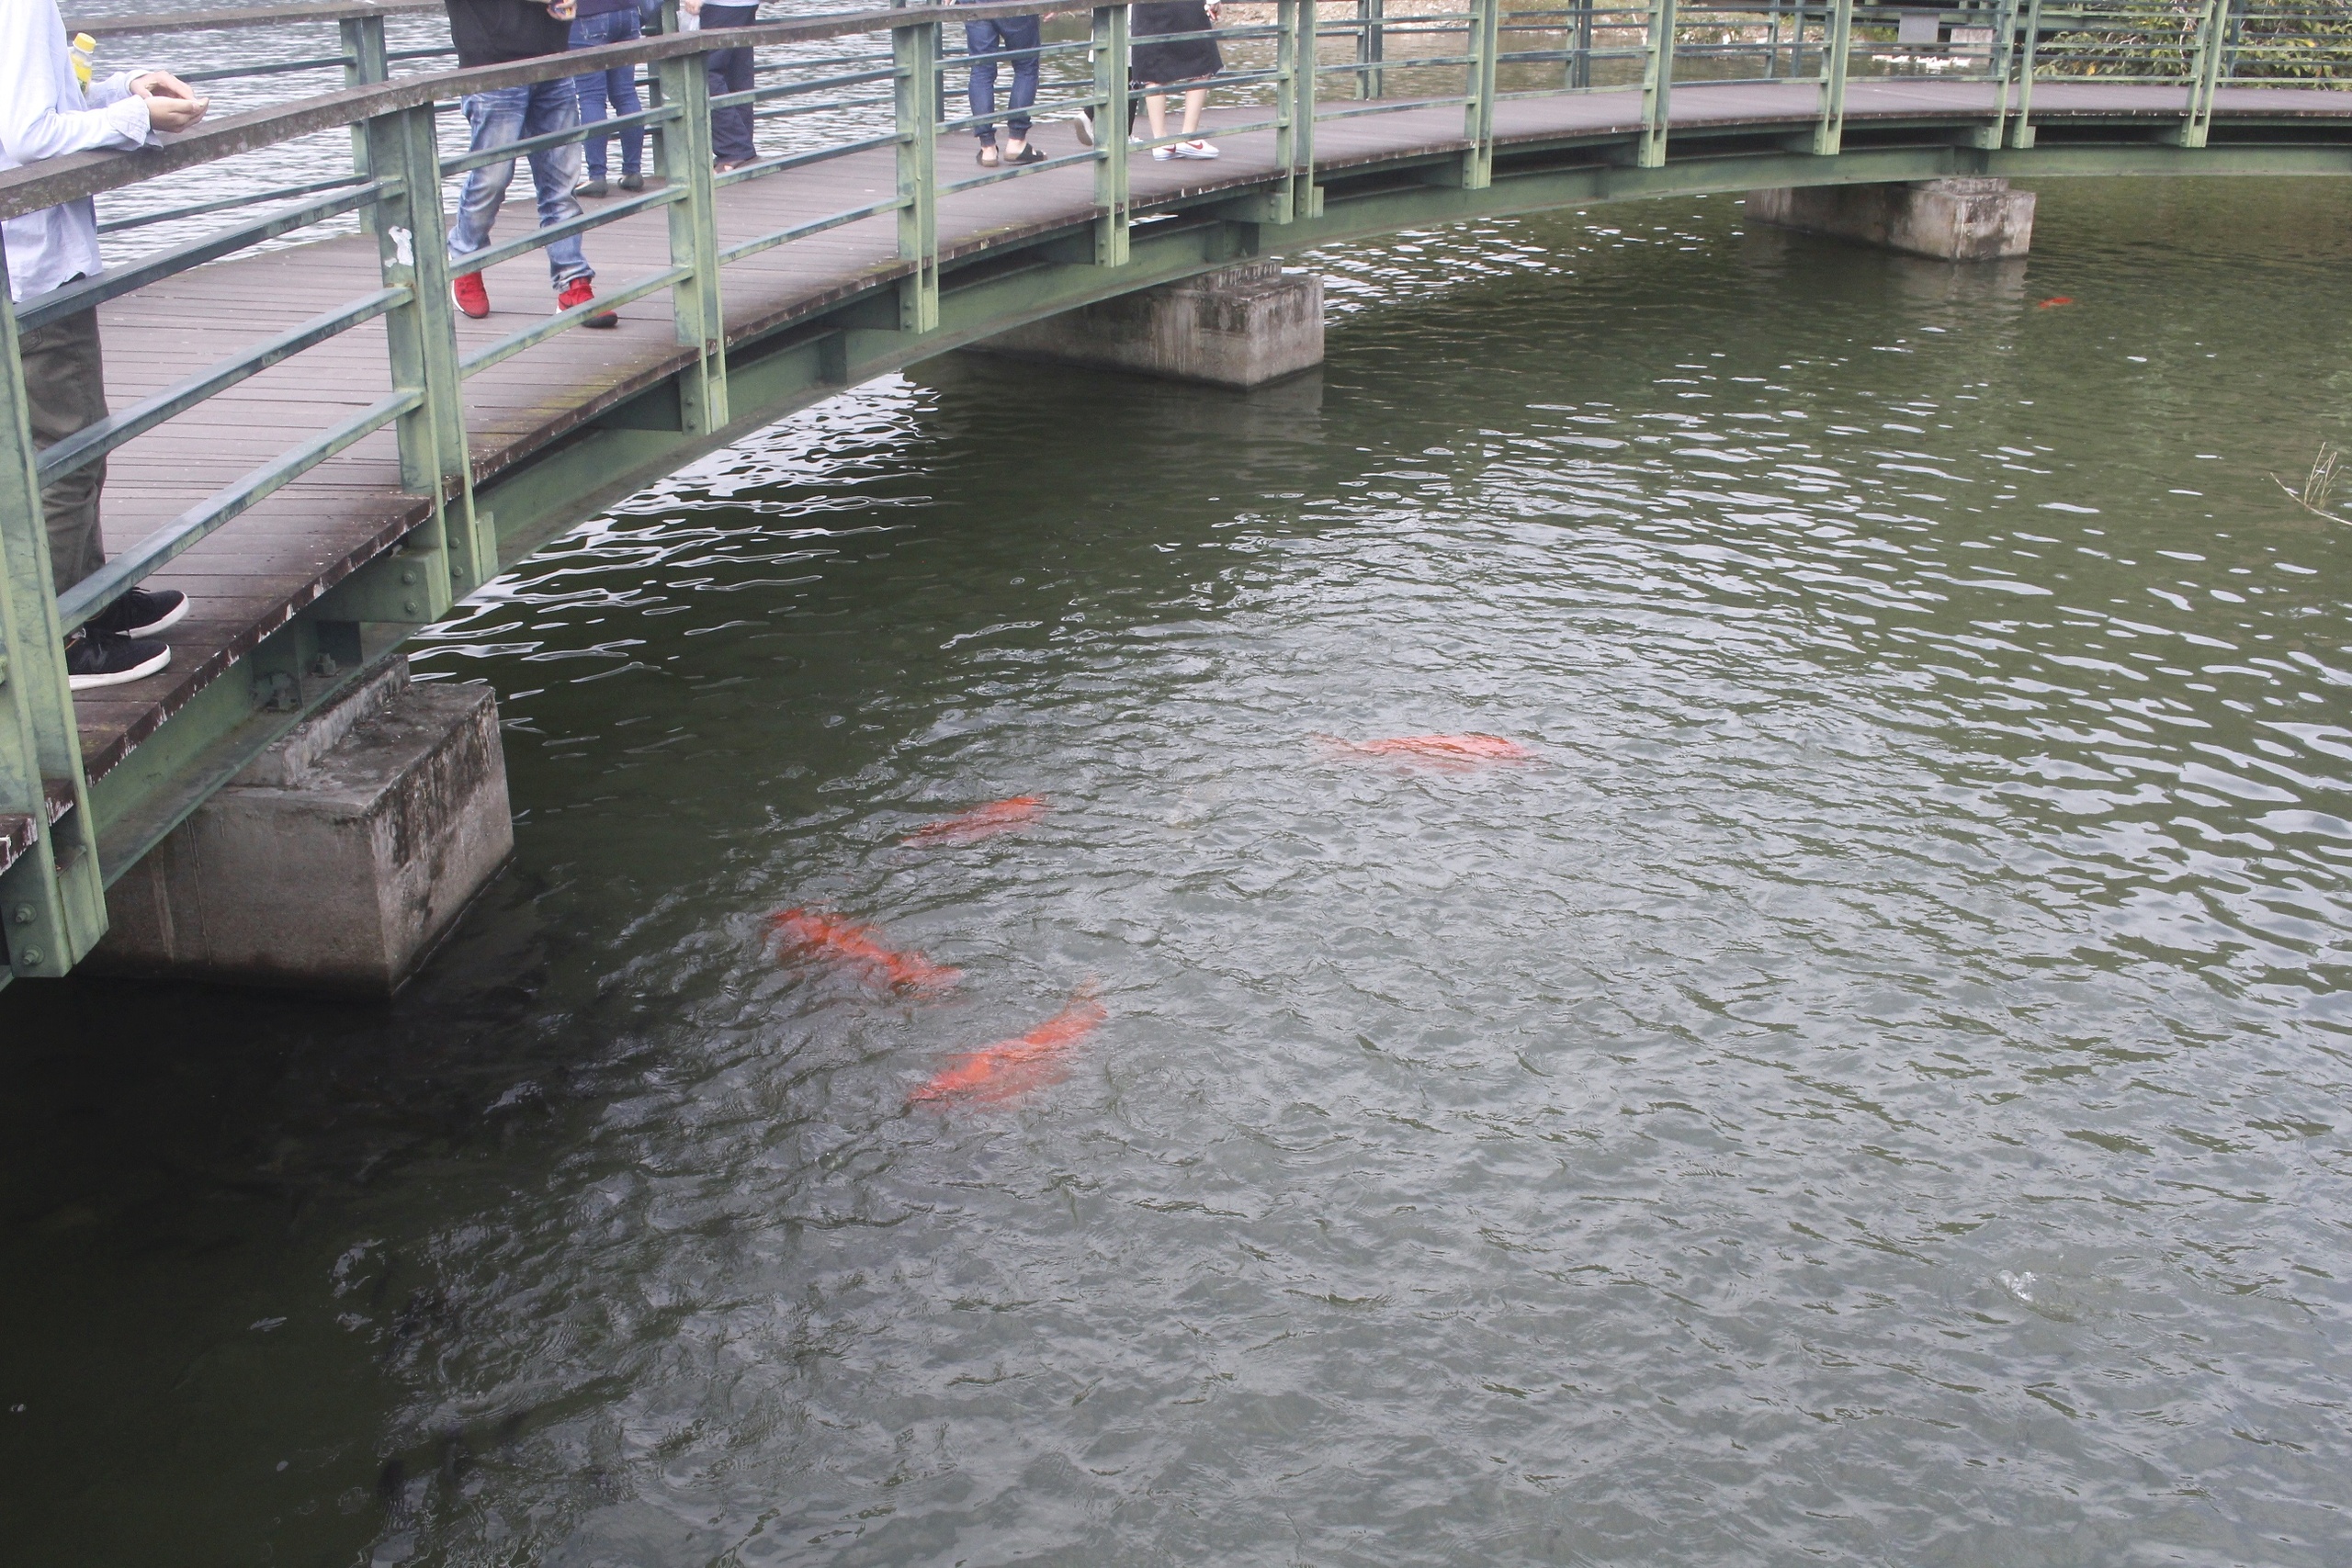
(819, 934)
(1010, 1068)
(2051, 304)
(1459, 750)
(980, 822)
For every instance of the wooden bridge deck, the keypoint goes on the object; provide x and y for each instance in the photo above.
(249, 578)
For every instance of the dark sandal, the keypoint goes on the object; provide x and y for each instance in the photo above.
(988, 157)
(1030, 154)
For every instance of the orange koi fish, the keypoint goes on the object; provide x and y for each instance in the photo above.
(816, 933)
(996, 1073)
(980, 822)
(1455, 751)
(2053, 304)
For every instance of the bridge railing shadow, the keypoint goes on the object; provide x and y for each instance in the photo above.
(853, 114)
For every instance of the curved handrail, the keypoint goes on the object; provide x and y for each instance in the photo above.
(248, 17)
(70, 179)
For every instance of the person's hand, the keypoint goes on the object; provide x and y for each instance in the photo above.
(171, 104)
(563, 10)
(691, 8)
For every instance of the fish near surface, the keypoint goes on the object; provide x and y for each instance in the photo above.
(1450, 751)
(980, 822)
(2052, 303)
(823, 936)
(996, 1073)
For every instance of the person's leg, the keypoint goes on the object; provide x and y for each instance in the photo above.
(730, 72)
(1195, 99)
(65, 391)
(1154, 108)
(620, 85)
(497, 122)
(738, 146)
(587, 32)
(1020, 34)
(554, 106)
(979, 43)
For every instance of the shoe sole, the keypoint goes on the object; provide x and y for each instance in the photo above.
(118, 677)
(171, 618)
(1204, 157)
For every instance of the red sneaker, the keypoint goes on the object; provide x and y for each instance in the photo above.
(471, 297)
(578, 292)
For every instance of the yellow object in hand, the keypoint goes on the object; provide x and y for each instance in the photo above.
(84, 47)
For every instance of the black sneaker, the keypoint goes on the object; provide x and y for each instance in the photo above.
(594, 185)
(632, 182)
(109, 658)
(142, 613)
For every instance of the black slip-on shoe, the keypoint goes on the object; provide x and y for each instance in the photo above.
(142, 613)
(632, 182)
(110, 659)
(591, 187)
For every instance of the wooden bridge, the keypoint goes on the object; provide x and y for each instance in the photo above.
(313, 445)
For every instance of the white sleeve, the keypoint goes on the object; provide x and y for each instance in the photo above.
(112, 90)
(33, 124)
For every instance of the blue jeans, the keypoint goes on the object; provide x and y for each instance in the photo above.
(507, 116)
(987, 43)
(730, 72)
(617, 85)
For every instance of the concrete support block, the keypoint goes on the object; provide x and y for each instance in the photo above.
(1242, 326)
(337, 860)
(1956, 219)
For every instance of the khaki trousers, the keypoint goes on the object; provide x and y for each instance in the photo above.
(65, 390)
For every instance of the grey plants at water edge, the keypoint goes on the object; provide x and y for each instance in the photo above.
(2319, 487)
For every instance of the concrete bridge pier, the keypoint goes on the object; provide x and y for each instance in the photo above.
(1949, 220)
(1241, 326)
(337, 860)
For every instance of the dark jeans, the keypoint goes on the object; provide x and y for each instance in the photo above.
(730, 72)
(987, 43)
(65, 390)
(504, 114)
(617, 86)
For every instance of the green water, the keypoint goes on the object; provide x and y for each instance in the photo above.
(1871, 1092)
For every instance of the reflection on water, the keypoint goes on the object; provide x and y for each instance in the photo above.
(1868, 1089)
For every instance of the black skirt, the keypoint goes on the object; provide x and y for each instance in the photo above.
(1179, 62)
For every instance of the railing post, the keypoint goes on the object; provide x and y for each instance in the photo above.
(1478, 104)
(1657, 84)
(914, 53)
(1371, 47)
(2204, 73)
(1306, 201)
(2021, 127)
(1295, 109)
(52, 898)
(681, 151)
(1580, 47)
(1998, 66)
(364, 64)
(1111, 199)
(1837, 51)
(423, 337)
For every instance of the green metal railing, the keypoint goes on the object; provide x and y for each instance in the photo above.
(1291, 66)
